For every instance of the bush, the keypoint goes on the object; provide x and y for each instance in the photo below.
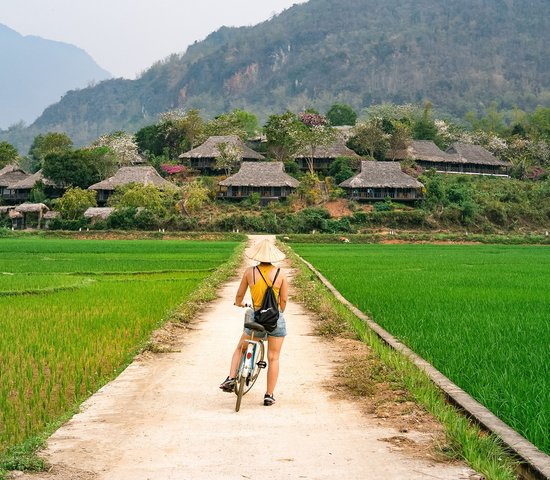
(65, 224)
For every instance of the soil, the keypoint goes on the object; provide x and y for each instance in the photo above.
(165, 418)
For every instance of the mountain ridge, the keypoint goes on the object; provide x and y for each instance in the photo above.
(26, 91)
(460, 55)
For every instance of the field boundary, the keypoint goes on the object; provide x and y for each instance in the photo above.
(535, 463)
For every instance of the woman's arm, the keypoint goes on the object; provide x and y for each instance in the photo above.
(242, 290)
(283, 294)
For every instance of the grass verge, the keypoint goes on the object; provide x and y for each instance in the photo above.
(24, 456)
(482, 451)
(420, 237)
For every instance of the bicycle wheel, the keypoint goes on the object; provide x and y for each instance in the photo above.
(258, 357)
(239, 390)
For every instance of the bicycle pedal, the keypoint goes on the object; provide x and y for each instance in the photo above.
(262, 364)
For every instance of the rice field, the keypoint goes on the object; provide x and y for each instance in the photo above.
(74, 312)
(479, 313)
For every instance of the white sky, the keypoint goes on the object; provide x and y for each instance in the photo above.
(127, 36)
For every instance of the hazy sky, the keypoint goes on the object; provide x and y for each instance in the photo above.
(127, 36)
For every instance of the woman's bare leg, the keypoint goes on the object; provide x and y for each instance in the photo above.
(274, 345)
(237, 355)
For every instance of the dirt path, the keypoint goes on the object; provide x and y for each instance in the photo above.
(165, 418)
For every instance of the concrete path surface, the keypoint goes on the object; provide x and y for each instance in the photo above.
(165, 418)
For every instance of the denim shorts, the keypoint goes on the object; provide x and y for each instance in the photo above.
(280, 329)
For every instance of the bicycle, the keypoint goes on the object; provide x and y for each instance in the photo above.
(252, 360)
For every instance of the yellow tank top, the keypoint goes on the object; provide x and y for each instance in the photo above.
(258, 289)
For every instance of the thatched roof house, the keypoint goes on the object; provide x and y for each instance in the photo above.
(325, 155)
(20, 190)
(28, 215)
(378, 180)
(204, 156)
(420, 150)
(9, 175)
(459, 158)
(479, 158)
(98, 213)
(266, 178)
(145, 175)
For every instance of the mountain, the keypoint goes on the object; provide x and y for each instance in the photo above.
(37, 72)
(460, 54)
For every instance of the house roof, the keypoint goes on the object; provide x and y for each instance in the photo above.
(51, 215)
(145, 175)
(11, 174)
(475, 154)
(261, 174)
(336, 149)
(425, 150)
(381, 175)
(98, 212)
(31, 208)
(209, 149)
(29, 182)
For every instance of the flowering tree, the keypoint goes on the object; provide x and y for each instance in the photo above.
(181, 130)
(314, 132)
(280, 132)
(122, 145)
(229, 157)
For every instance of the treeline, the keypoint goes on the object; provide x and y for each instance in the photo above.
(481, 203)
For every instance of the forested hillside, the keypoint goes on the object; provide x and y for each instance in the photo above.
(461, 55)
(36, 72)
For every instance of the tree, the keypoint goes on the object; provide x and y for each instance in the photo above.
(194, 197)
(370, 139)
(341, 169)
(79, 168)
(150, 140)
(123, 146)
(314, 133)
(229, 157)
(136, 195)
(75, 202)
(49, 143)
(181, 131)
(424, 128)
(8, 154)
(400, 137)
(309, 188)
(234, 123)
(280, 134)
(341, 114)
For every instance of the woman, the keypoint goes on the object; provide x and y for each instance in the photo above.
(266, 253)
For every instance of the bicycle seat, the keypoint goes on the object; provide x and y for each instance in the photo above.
(254, 326)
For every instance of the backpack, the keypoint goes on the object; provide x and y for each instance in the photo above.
(268, 314)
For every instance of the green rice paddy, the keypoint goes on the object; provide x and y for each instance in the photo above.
(479, 313)
(74, 312)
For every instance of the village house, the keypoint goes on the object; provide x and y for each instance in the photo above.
(10, 175)
(475, 159)
(146, 175)
(20, 191)
(203, 158)
(459, 158)
(268, 179)
(28, 215)
(324, 156)
(378, 180)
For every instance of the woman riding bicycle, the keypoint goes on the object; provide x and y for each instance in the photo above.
(266, 253)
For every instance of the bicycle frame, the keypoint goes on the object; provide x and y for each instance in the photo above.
(248, 359)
